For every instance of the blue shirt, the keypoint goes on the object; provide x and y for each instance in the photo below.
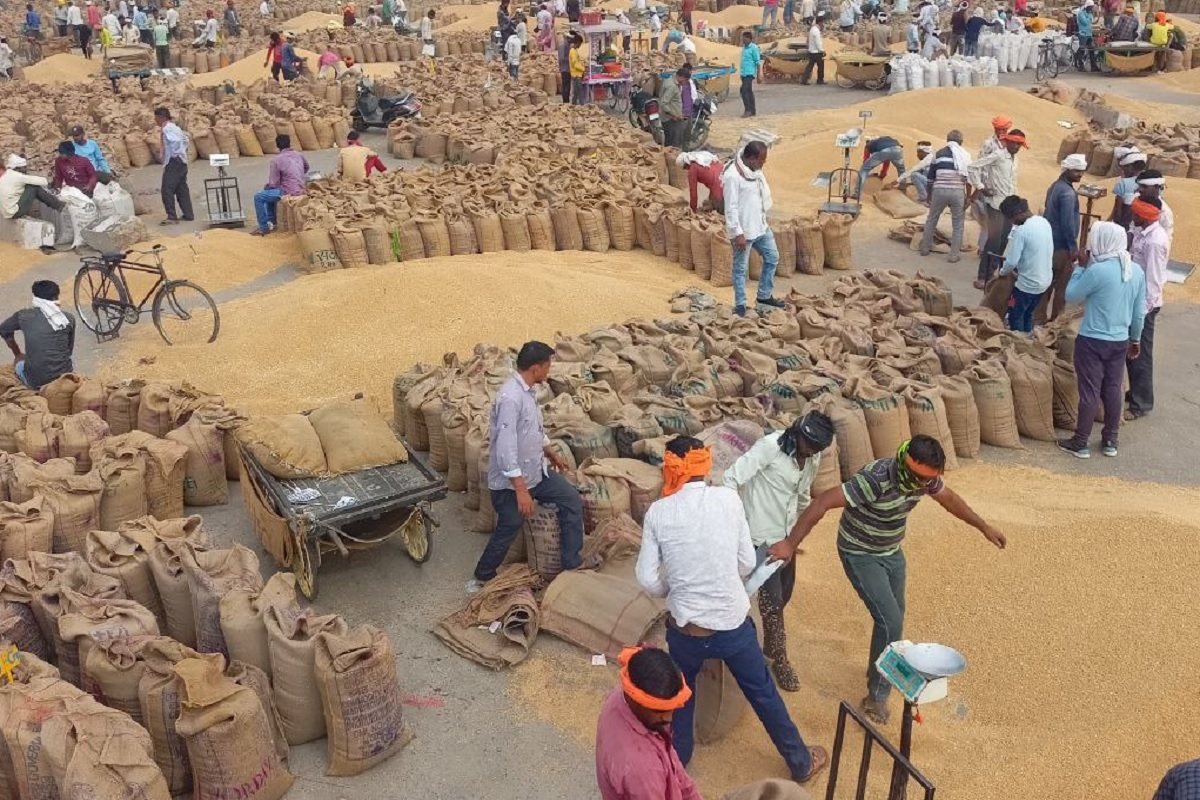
(516, 436)
(32, 21)
(1113, 311)
(140, 20)
(881, 143)
(1127, 190)
(1062, 212)
(91, 151)
(751, 59)
(1084, 19)
(912, 38)
(1031, 254)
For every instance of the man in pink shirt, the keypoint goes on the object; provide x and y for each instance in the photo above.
(635, 759)
(1150, 250)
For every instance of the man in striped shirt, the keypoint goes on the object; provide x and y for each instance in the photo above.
(948, 189)
(877, 501)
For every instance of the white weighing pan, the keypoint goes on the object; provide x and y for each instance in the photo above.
(937, 660)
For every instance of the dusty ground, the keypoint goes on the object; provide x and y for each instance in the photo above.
(1086, 618)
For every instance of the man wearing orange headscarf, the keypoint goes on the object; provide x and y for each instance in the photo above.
(696, 552)
(1151, 251)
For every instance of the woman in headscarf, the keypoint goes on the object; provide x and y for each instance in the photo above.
(1113, 292)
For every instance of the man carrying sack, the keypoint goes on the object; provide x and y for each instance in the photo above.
(774, 479)
(696, 552)
(517, 467)
(876, 502)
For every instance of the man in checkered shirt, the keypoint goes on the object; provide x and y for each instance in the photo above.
(1182, 782)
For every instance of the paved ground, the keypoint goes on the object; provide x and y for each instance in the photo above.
(472, 739)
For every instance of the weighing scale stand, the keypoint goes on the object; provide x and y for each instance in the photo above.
(223, 196)
(1092, 194)
(844, 181)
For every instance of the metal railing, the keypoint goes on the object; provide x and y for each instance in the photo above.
(903, 772)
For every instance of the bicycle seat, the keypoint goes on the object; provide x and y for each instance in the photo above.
(112, 258)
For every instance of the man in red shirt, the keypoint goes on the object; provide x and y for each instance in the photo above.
(73, 170)
(685, 13)
(635, 759)
(710, 176)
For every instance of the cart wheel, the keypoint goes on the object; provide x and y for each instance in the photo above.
(875, 85)
(417, 535)
(845, 83)
(304, 566)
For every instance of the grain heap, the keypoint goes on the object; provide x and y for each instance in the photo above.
(1174, 149)
(885, 357)
(558, 178)
(38, 117)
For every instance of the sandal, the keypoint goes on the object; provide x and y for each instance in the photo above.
(1131, 415)
(875, 710)
(785, 677)
(980, 285)
(820, 760)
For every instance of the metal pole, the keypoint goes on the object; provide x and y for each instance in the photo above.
(899, 788)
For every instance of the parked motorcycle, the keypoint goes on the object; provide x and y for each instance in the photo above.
(695, 130)
(379, 112)
(644, 114)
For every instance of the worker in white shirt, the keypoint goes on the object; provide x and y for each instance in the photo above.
(774, 479)
(1150, 250)
(934, 47)
(512, 52)
(747, 201)
(816, 53)
(808, 10)
(1150, 185)
(655, 30)
(917, 175)
(696, 552)
(264, 10)
(994, 177)
(19, 190)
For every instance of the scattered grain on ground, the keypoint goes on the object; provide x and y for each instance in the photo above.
(247, 70)
(63, 68)
(311, 21)
(1078, 637)
(15, 260)
(219, 259)
(323, 336)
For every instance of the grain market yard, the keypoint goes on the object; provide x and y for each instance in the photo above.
(1080, 636)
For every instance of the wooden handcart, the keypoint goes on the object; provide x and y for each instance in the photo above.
(785, 65)
(1131, 59)
(861, 71)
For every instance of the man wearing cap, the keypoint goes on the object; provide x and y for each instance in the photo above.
(876, 503)
(1151, 184)
(18, 189)
(1085, 19)
(774, 479)
(1062, 212)
(995, 177)
(696, 552)
(1150, 250)
(917, 175)
(989, 146)
(1126, 27)
(635, 759)
(1125, 191)
(1031, 255)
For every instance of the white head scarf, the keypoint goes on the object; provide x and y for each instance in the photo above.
(1107, 240)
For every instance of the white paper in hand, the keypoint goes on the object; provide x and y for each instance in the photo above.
(762, 571)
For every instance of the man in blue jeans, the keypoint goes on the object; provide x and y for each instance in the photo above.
(747, 201)
(876, 502)
(880, 151)
(696, 552)
(517, 467)
(287, 177)
(1031, 256)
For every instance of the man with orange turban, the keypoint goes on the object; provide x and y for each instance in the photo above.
(696, 552)
(1150, 250)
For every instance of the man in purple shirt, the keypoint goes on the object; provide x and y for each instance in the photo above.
(287, 178)
(517, 474)
(687, 94)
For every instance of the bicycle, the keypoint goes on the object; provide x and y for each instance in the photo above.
(32, 50)
(1056, 55)
(182, 311)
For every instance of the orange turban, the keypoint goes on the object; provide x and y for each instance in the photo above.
(1160, 17)
(678, 471)
(1001, 123)
(1144, 210)
(642, 698)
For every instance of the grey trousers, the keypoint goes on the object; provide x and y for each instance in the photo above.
(175, 188)
(879, 582)
(941, 198)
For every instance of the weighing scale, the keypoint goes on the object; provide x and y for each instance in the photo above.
(223, 197)
(920, 672)
(1092, 193)
(844, 181)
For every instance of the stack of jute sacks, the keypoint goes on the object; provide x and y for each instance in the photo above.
(886, 356)
(384, 44)
(557, 178)
(1175, 149)
(159, 664)
(242, 124)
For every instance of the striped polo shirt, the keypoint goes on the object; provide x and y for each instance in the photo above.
(876, 514)
(946, 176)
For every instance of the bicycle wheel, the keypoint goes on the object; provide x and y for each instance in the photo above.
(101, 299)
(186, 314)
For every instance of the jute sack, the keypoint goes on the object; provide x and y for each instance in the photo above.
(164, 471)
(319, 251)
(472, 445)
(543, 542)
(454, 424)
(204, 466)
(112, 671)
(850, 429)
(604, 490)
(643, 480)
(228, 736)
(350, 246)
(728, 442)
(124, 494)
(586, 439)
(75, 504)
(286, 446)
(90, 395)
(154, 410)
(19, 473)
(599, 401)
(961, 413)
(39, 436)
(835, 234)
(354, 436)
(256, 680)
(1066, 395)
(98, 752)
(158, 699)
(885, 414)
(210, 575)
(516, 230)
(291, 639)
(431, 409)
(19, 627)
(622, 229)
(34, 703)
(435, 236)
(166, 565)
(810, 247)
(85, 620)
(927, 415)
(242, 611)
(594, 230)
(785, 240)
(485, 518)
(683, 238)
(360, 698)
(25, 527)
(992, 390)
(615, 539)
(567, 233)
(1033, 395)
(599, 611)
(79, 432)
(400, 386)
(124, 555)
(416, 429)
(670, 237)
(60, 391)
(829, 470)
(701, 250)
